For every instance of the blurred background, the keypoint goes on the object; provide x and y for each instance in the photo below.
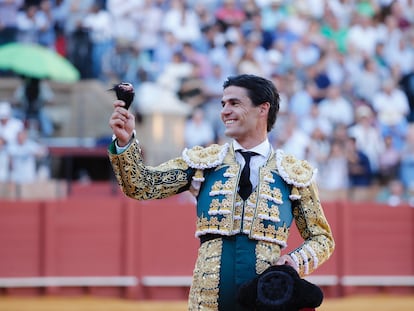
(345, 73)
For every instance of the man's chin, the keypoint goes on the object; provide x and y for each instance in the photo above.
(229, 133)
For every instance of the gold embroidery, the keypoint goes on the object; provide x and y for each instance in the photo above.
(295, 172)
(214, 207)
(216, 187)
(314, 228)
(298, 169)
(272, 194)
(208, 157)
(238, 209)
(261, 207)
(221, 208)
(274, 213)
(232, 171)
(249, 210)
(267, 255)
(227, 187)
(269, 233)
(214, 225)
(145, 182)
(205, 286)
(224, 205)
(199, 175)
(266, 212)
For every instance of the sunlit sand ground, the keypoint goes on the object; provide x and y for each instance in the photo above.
(354, 303)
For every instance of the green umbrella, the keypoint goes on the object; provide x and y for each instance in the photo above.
(36, 61)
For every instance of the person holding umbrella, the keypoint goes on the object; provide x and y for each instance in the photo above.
(32, 96)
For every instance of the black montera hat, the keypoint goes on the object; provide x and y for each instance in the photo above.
(279, 288)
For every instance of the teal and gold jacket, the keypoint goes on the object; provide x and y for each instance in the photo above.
(285, 192)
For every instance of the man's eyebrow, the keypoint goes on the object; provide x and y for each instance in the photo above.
(233, 99)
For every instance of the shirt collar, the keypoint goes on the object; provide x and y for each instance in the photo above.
(263, 148)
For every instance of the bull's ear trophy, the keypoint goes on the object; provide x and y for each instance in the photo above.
(124, 91)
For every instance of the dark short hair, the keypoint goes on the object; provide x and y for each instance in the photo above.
(259, 90)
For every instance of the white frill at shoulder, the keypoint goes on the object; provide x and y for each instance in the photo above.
(205, 157)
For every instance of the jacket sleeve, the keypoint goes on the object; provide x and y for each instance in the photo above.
(318, 244)
(143, 182)
(314, 228)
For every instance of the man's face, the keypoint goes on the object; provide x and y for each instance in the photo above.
(242, 120)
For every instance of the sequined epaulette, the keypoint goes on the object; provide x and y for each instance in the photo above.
(298, 173)
(205, 157)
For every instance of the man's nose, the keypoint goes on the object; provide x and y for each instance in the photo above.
(225, 109)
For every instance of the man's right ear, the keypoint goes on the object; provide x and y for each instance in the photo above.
(264, 107)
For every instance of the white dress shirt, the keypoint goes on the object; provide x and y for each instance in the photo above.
(263, 150)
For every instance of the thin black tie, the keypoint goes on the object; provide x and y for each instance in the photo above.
(245, 186)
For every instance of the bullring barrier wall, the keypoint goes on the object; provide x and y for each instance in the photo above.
(116, 246)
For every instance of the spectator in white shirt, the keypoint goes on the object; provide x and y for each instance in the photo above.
(182, 22)
(149, 26)
(124, 15)
(9, 126)
(28, 24)
(24, 155)
(368, 137)
(336, 108)
(362, 35)
(392, 108)
(367, 82)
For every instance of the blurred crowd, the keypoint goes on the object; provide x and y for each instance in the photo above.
(344, 69)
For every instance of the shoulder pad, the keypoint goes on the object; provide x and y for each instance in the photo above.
(298, 173)
(205, 157)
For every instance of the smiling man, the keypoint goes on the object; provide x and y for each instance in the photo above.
(248, 195)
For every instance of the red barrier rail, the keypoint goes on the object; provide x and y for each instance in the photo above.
(114, 246)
